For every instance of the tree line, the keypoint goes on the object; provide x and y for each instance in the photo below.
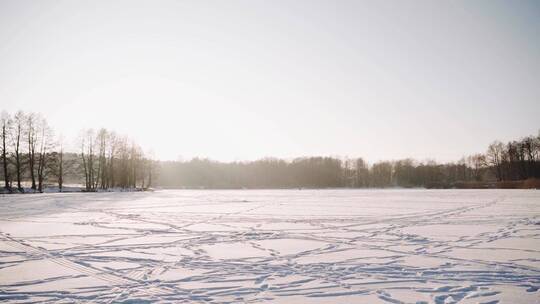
(513, 161)
(32, 157)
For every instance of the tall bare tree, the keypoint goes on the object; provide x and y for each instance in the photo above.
(101, 141)
(60, 173)
(5, 122)
(151, 167)
(45, 144)
(31, 138)
(87, 155)
(113, 146)
(19, 121)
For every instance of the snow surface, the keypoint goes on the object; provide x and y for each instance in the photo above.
(278, 246)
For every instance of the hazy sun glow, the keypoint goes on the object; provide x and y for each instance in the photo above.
(236, 80)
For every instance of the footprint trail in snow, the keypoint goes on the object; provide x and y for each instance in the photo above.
(274, 246)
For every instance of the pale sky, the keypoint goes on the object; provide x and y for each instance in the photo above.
(242, 80)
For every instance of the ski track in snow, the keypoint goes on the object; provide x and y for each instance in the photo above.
(275, 246)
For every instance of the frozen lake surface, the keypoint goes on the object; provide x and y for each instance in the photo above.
(275, 246)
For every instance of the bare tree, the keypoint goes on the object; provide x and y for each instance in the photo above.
(112, 149)
(381, 174)
(19, 120)
(531, 149)
(101, 140)
(45, 145)
(87, 155)
(495, 158)
(5, 122)
(60, 174)
(476, 162)
(150, 167)
(134, 165)
(362, 173)
(31, 138)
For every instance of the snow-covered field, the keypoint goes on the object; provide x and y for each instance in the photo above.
(280, 246)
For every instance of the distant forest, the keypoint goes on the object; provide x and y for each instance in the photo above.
(515, 164)
(33, 158)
